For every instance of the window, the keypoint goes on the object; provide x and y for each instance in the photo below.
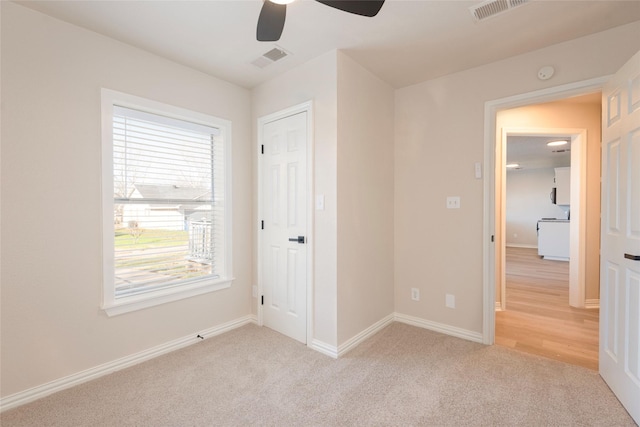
(166, 203)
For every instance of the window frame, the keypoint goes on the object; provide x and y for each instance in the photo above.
(110, 304)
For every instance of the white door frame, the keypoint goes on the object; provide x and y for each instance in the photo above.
(296, 109)
(578, 224)
(491, 109)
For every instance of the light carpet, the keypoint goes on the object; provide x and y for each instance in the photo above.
(402, 376)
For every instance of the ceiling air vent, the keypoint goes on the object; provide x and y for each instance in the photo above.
(492, 8)
(270, 57)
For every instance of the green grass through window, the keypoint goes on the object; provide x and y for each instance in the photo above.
(150, 238)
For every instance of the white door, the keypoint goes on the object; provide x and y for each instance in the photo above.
(284, 237)
(620, 234)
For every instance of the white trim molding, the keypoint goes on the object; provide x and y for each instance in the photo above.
(305, 107)
(592, 303)
(344, 348)
(578, 225)
(521, 245)
(324, 348)
(113, 304)
(439, 327)
(60, 384)
(353, 342)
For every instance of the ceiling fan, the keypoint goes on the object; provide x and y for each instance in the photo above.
(273, 13)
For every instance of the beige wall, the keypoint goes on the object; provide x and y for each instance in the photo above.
(52, 324)
(569, 115)
(51, 229)
(353, 169)
(315, 80)
(439, 134)
(365, 199)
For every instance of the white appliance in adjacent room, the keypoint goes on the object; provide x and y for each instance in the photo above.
(553, 239)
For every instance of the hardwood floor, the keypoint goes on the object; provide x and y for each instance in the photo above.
(538, 318)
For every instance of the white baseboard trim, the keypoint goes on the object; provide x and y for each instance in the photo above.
(499, 306)
(592, 303)
(324, 348)
(344, 348)
(556, 258)
(521, 245)
(353, 342)
(43, 390)
(440, 327)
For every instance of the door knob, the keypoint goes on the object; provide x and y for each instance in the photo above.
(299, 239)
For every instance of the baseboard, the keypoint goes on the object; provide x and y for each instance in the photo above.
(440, 327)
(43, 390)
(520, 245)
(592, 303)
(344, 348)
(324, 348)
(556, 258)
(353, 342)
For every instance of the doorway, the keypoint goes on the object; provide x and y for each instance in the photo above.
(543, 236)
(543, 167)
(284, 236)
(492, 230)
(616, 330)
(535, 314)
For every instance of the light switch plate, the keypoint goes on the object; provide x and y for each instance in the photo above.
(478, 170)
(320, 202)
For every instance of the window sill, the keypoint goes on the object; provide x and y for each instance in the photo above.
(151, 299)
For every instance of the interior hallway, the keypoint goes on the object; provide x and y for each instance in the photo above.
(538, 318)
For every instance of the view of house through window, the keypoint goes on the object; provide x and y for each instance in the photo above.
(168, 202)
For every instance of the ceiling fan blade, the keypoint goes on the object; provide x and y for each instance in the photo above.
(271, 21)
(359, 7)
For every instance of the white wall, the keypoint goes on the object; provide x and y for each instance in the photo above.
(315, 80)
(439, 135)
(528, 201)
(52, 324)
(365, 199)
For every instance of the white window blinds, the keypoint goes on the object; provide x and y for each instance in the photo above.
(168, 184)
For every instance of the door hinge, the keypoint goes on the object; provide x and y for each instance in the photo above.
(262, 225)
(262, 149)
(262, 300)
(492, 238)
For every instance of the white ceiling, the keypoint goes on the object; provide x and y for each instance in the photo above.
(406, 43)
(532, 152)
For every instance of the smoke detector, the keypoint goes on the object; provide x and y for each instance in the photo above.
(545, 73)
(491, 8)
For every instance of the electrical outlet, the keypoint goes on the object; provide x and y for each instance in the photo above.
(254, 291)
(450, 301)
(453, 202)
(415, 294)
